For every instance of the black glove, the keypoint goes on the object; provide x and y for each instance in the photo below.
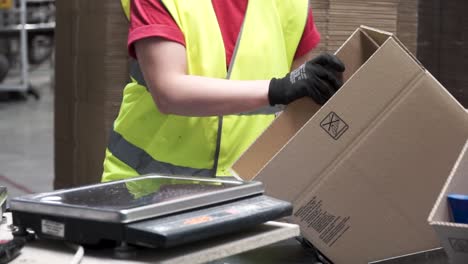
(318, 78)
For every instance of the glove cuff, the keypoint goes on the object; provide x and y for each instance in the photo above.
(276, 93)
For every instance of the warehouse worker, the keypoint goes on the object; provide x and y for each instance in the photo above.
(207, 79)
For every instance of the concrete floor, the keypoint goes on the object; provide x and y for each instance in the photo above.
(26, 137)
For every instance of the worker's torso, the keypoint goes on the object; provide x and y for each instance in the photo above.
(145, 140)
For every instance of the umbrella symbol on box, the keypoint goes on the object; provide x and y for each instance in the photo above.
(334, 125)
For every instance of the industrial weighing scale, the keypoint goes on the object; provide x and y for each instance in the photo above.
(151, 211)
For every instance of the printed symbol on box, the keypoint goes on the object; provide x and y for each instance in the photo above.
(334, 125)
(459, 245)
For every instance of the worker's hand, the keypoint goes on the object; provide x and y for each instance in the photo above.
(318, 78)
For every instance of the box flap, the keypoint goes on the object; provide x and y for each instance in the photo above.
(457, 182)
(379, 36)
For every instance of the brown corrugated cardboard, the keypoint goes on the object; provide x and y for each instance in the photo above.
(453, 236)
(337, 19)
(442, 43)
(91, 71)
(365, 170)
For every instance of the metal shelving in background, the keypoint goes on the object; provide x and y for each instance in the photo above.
(20, 21)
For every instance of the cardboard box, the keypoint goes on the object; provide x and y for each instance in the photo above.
(453, 236)
(365, 169)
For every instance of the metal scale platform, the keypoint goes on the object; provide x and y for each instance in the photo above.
(151, 211)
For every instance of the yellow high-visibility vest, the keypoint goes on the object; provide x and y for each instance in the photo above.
(145, 141)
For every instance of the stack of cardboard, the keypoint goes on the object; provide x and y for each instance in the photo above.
(91, 71)
(346, 15)
(454, 50)
(428, 35)
(407, 26)
(337, 19)
(320, 9)
(442, 47)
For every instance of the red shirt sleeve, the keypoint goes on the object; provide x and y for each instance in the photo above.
(310, 37)
(150, 18)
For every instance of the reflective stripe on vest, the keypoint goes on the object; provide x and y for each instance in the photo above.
(143, 163)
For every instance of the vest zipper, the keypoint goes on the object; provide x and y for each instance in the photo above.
(228, 76)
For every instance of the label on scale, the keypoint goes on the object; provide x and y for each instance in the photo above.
(53, 228)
